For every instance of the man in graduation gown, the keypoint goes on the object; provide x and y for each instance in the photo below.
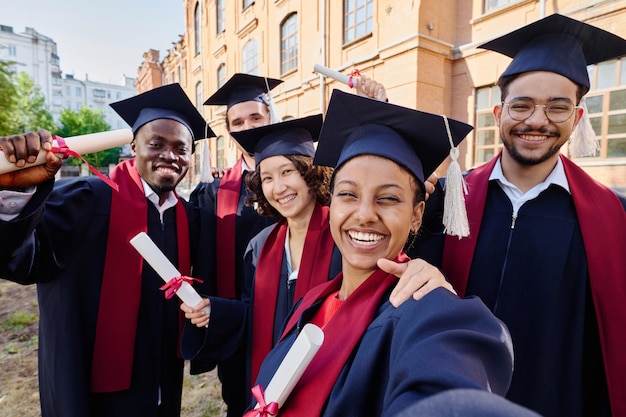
(108, 342)
(545, 250)
(247, 105)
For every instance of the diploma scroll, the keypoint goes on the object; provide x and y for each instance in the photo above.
(166, 270)
(83, 144)
(331, 73)
(294, 364)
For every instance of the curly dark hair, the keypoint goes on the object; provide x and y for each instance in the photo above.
(317, 179)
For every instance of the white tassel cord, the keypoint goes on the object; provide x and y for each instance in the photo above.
(454, 212)
(275, 115)
(583, 141)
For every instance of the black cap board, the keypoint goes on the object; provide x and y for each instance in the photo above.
(292, 137)
(356, 125)
(243, 87)
(167, 102)
(557, 44)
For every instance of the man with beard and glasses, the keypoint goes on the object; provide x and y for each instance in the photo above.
(546, 241)
(108, 337)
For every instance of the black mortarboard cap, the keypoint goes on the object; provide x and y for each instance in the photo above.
(557, 44)
(243, 87)
(292, 137)
(167, 102)
(358, 125)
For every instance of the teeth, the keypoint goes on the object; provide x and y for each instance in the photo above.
(533, 138)
(365, 238)
(286, 199)
(166, 169)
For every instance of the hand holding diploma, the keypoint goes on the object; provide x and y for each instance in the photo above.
(363, 85)
(288, 373)
(175, 283)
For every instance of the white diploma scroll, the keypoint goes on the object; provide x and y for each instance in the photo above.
(331, 73)
(159, 262)
(294, 364)
(83, 144)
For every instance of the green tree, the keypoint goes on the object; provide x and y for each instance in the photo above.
(7, 94)
(29, 112)
(82, 122)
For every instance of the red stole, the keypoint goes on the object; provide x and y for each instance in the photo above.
(121, 280)
(314, 270)
(227, 201)
(603, 227)
(341, 335)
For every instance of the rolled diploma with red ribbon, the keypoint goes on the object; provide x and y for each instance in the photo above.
(331, 73)
(166, 270)
(294, 364)
(83, 144)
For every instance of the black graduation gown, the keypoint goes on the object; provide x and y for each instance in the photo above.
(229, 328)
(59, 242)
(411, 352)
(538, 295)
(248, 223)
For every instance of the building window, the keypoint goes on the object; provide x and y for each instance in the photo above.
(358, 19)
(57, 99)
(494, 4)
(196, 28)
(68, 90)
(289, 43)
(199, 96)
(247, 3)
(12, 50)
(79, 91)
(221, 75)
(487, 135)
(221, 153)
(220, 15)
(606, 105)
(250, 58)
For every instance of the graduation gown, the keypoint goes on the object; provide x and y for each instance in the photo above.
(555, 276)
(405, 354)
(247, 224)
(230, 328)
(59, 242)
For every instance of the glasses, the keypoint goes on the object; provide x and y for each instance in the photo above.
(556, 111)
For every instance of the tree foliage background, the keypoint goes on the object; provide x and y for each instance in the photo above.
(23, 109)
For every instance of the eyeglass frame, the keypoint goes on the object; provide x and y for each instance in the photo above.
(545, 110)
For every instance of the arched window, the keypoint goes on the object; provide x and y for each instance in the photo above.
(196, 28)
(289, 43)
(250, 58)
(221, 75)
(220, 15)
(199, 99)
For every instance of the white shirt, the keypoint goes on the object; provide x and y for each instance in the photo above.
(517, 197)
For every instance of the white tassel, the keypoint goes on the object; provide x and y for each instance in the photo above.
(454, 212)
(583, 141)
(275, 115)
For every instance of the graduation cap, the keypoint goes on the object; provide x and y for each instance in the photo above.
(292, 137)
(167, 102)
(416, 140)
(358, 125)
(243, 87)
(557, 44)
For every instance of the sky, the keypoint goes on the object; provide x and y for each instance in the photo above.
(102, 39)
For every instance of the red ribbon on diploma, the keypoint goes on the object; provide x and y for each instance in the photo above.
(263, 409)
(355, 73)
(67, 152)
(172, 286)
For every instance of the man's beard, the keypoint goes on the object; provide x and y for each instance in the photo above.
(524, 160)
